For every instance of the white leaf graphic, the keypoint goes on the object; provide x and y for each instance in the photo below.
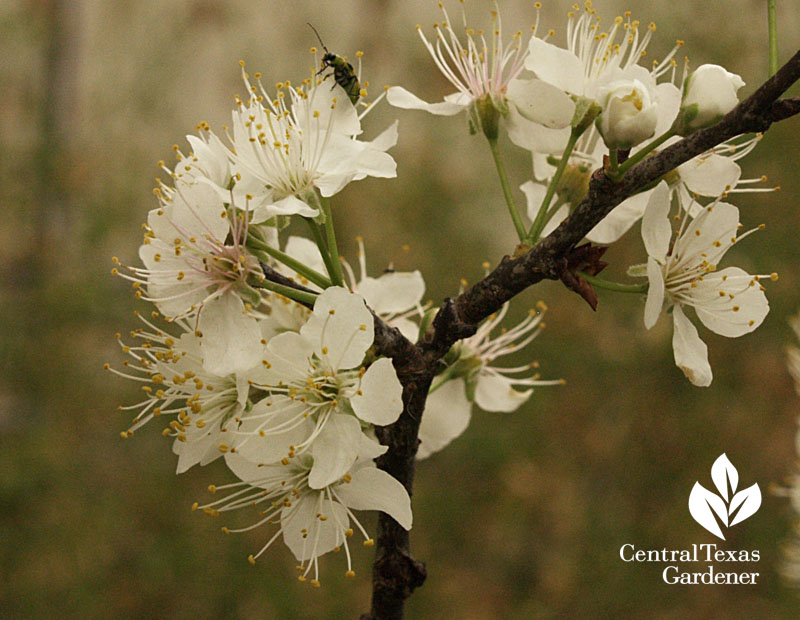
(701, 504)
(750, 499)
(723, 471)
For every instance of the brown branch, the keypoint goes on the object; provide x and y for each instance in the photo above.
(395, 573)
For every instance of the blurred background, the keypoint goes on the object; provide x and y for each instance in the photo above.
(523, 516)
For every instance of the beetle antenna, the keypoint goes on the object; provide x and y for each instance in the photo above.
(318, 37)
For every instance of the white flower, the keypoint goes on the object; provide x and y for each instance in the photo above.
(472, 377)
(629, 114)
(313, 521)
(394, 296)
(188, 259)
(591, 61)
(176, 384)
(709, 94)
(302, 140)
(728, 302)
(319, 392)
(486, 74)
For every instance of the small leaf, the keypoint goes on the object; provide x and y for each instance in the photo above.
(750, 500)
(723, 472)
(701, 504)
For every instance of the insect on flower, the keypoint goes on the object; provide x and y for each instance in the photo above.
(343, 72)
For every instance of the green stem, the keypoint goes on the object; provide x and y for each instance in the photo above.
(540, 221)
(512, 207)
(614, 286)
(319, 239)
(639, 156)
(287, 291)
(312, 275)
(772, 18)
(336, 275)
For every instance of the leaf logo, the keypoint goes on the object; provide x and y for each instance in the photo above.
(710, 509)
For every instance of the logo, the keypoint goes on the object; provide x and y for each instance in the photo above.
(715, 512)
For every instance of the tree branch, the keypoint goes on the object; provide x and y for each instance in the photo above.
(395, 573)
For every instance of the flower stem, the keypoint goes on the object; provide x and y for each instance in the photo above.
(312, 275)
(639, 156)
(336, 275)
(614, 286)
(319, 239)
(288, 291)
(512, 207)
(541, 216)
(772, 18)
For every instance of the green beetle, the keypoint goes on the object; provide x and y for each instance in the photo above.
(343, 72)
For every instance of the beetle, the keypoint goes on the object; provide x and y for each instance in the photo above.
(343, 72)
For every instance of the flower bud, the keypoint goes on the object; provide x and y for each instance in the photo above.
(708, 95)
(629, 114)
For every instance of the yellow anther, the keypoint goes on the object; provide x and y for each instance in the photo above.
(251, 559)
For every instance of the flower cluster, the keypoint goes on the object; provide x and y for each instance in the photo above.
(270, 359)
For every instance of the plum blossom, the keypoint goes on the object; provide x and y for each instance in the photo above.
(303, 140)
(729, 302)
(312, 521)
(708, 95)
(175, 382)
(629, 114)
(318, 392)
(486, 76)
(472, 377)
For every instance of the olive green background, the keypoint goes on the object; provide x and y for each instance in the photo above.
(523, 516)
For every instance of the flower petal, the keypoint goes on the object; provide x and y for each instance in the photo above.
(735, 305)
(656, 229)
(533, 136)
(555, 65)
(691, 353)
(380, 401)
(231, 340)
(373, 489)
(335, 450)
(340, 328)
(655, 293)
(541, 102)
(393, 292)
(305, 533)
(620, 220)
(494, 392)
(446, 416)
(710, 175)
(401, 98)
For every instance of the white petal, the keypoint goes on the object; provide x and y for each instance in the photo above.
(272, 415)
(447, 414)
(194, 211)
(381, 398)
(726, 315)
(401, 98)
(710, 175)
(620, 220)
(533, 136)
(202, 449)
(691, 353)
(334, 107)
(374, 489)
(386, 139)
(335, 450)
(541, 102)
(495, 392)
(655, 293)
(656, 229)
(669, 102)
(718, 223)
(407, 327)
(287, 356)
(341, 328)
(557, 66)
(393, 292)
(534, 194)
(290, 205)
(306, 535)
(305, 251)
(231, 339)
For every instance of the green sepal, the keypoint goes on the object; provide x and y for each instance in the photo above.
(638, 271)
